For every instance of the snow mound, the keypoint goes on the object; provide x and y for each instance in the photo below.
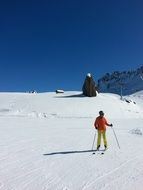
(136, 132)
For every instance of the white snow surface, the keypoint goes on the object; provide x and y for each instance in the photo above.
(88, 74)
(46, 141)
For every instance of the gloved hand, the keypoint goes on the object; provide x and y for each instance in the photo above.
(111, 125)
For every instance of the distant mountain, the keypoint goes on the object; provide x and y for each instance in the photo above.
(126, 82)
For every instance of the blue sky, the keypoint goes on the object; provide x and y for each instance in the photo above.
(53, 44)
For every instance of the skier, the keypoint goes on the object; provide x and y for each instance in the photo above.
(100, 124)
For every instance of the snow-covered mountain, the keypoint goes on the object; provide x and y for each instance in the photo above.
(46, 141)
(126, 82)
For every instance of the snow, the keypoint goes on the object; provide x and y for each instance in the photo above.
(46, 142)
(88, 75)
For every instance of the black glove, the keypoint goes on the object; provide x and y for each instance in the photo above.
(111, 125)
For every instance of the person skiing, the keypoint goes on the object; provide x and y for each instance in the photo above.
(100, 124)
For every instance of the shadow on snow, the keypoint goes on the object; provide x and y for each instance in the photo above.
(69, 152)
(71, 96)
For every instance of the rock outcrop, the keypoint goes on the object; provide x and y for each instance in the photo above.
(89, 88)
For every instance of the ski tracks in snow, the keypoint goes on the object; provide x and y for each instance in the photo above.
(118, 177)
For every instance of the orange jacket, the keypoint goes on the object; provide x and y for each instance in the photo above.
(101, 123)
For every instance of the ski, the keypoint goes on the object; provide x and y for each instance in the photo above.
(101, 152)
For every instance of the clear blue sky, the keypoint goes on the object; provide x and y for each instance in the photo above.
(53, 44)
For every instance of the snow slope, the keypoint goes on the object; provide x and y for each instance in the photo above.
(46, 141)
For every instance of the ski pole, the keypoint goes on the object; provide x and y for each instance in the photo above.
(115, 137)
(93, 141)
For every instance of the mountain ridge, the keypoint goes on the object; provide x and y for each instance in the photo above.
(125, 82)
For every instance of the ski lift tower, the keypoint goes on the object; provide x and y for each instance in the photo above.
(121, 89)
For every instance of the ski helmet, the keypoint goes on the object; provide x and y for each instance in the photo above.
(101, 113)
